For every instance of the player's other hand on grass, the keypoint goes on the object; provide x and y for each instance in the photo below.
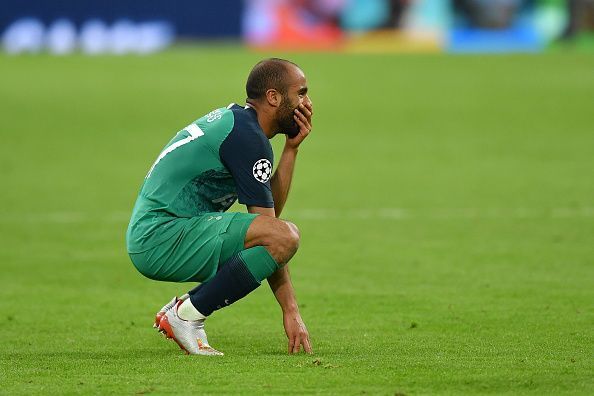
(302, 117)
(296, 333)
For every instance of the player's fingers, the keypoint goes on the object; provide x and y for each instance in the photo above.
(291, 344)
(305, 128)
(307, 112)
(296, 345)
(302, 121)
(307, 345)
(309, 105)
(301, 116)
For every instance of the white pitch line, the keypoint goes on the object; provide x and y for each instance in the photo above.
(443, 213)
(390, 214)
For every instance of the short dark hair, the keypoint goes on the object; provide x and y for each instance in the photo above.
(268, 73)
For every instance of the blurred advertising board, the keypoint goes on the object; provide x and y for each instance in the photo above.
(116, 27)
(458, 26)
(406, 25)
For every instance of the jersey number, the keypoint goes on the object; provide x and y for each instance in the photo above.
(194, 131)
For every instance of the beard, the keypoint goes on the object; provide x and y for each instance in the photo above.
(286, 122)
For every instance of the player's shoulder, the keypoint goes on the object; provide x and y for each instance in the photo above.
(246, 126)
(245, 118)
(220, 119)
(234, 119)
(246, 139)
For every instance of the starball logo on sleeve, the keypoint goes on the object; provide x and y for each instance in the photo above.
(262, 170)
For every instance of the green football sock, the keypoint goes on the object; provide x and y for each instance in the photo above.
(259, 262)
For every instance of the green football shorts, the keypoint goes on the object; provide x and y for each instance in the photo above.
(199, 245)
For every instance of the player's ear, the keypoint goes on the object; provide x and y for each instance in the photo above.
(273, 97)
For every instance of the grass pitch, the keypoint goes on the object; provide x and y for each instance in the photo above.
(446, 206)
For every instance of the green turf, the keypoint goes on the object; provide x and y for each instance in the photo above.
(446, 205)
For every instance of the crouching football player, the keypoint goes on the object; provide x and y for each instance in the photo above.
(179, 230)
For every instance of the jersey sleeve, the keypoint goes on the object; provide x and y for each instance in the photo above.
(248, 157)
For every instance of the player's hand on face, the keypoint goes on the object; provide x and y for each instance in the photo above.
(297, 333)
(302, 116)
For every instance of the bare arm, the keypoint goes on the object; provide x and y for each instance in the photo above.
(282, 288)
(281, 180)
(280, 281)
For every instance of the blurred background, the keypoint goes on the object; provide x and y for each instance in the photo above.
(129, 26)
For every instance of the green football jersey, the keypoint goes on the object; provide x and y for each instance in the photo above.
(217, 159)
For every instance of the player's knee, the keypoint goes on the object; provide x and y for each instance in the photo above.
(286, 243)
(293, 236)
